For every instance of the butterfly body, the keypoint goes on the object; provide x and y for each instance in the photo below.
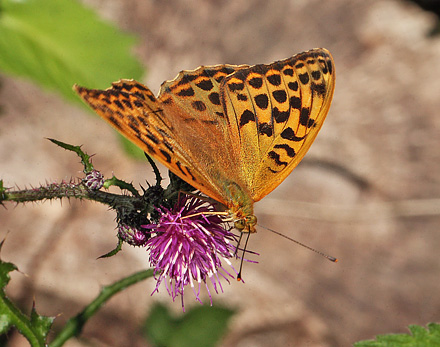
(234, 132)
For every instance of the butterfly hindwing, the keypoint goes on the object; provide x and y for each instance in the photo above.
(278, 110)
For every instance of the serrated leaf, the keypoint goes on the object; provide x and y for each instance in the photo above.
(5, 318)
(41, 325)
(5, 269)
(420, 337)
(60, 43)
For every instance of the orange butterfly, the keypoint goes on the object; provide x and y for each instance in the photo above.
(234, 132)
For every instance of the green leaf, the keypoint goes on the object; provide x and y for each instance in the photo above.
(34, 329)
(60, 43)
(201, 326)
(85, 158)
(5, 318)
(159, 325)
(420, 337)
(114, 181)
(41, 324)
(5, 269)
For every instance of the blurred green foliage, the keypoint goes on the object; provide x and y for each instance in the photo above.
(419, 337)
(200, 326)
(59, 43)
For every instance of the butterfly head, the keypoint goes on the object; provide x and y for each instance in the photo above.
(241, 207)
(246, 224)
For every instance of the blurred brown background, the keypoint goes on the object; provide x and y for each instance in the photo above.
(368, 192)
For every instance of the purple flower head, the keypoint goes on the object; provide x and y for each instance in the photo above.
(188, 246)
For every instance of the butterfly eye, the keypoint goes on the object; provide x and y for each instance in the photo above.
(248, 221)
(251, 220)
(240, 224)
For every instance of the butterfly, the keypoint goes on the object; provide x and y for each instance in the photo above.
(234, 132)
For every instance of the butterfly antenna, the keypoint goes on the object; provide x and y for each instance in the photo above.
(329, 257)
(238, 244)
(242, 258)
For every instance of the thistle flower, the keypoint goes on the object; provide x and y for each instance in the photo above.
(133, 236)
(188, 246)
(94, 180)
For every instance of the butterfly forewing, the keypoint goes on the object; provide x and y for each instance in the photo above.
(279, 109)
(132, 109)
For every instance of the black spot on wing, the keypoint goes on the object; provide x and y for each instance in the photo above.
(330, 67)
(280, 116)
(214, 98)
(118, 104)
(293, 86)
(265, 129)
(190, 173)
(276, 157)
(168, 146)
(295, 102)
(227, 70)
(149, 147)
(289, 150)
(235, 86)
(179, 166)
(127, 103)
(316, 75)
(153, 138)
(246, 117)
(275, 79)
(289, 134)
(280, 96)
(288, 72)
(186, 92)
(186, 79)
(133, 120)
(304, 116)
(242, 97)
(262, 101)
(319, 89)
(205, 85)
(115, 121)
(138, 103)
(199, 105)
(166, 155)
(256, 82)
(304, 78)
